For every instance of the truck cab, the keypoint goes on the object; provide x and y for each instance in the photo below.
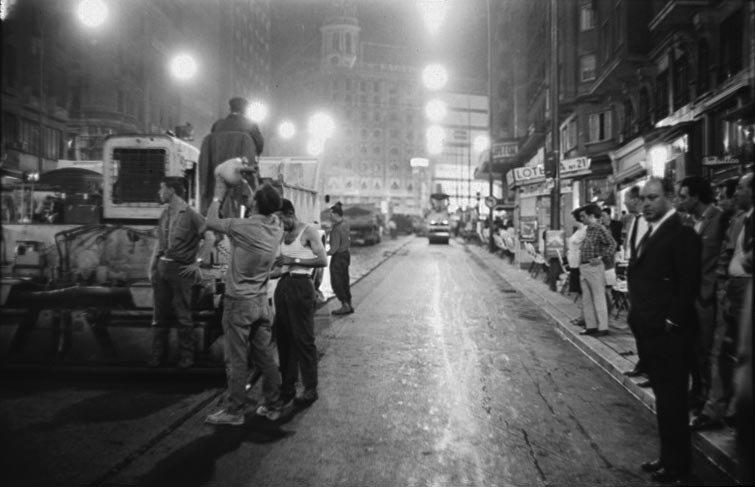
(438, 219)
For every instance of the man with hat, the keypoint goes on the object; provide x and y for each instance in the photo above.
(237, 121)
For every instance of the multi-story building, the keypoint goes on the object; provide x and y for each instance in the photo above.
(116, 78)
(645, 88)
(374, 92)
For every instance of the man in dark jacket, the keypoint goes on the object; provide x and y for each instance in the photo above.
(664, 280)
(237, 121)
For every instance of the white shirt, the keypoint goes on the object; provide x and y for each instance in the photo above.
(573, 247)
(642, 227)
(736, 264)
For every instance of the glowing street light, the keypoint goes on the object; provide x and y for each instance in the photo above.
(435, 110)
(183, 67)
(435, 136)
(433, 13)
(92, 13)
(434, 77)
(321, 126)
(315, 147)
(286, 129)
(481, 143)
(257, 111)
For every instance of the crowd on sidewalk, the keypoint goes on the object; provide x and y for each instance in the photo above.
(685, 257)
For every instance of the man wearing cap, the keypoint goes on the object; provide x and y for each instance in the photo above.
(340, 260)
(237, 121)
(300, 252)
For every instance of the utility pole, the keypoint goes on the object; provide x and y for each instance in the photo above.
(555, 146)
(491, 242)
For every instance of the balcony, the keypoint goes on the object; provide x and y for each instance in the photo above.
(675, 13)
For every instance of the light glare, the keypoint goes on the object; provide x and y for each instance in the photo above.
(435, 110)
(286, 129)
(434, 77)
(257, 111)
(183, 67)
(481, 143)
(321, 126)
(92, 13)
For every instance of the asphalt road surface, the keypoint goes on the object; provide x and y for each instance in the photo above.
(444, 376)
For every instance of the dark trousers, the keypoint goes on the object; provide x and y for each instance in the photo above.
(719, 399)
(295, 332)
(700, 365)
(339, 276)
(665, 356)
(172, 295)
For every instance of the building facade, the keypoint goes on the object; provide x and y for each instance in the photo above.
(117, 78)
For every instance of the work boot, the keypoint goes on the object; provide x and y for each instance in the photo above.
(307, 397)
(225, 417)
(343, 310)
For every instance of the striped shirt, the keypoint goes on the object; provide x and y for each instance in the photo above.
(598, 242)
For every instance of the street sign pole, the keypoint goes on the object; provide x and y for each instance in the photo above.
(554, 88)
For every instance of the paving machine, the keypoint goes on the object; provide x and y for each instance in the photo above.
(438, 219)
(75, 289)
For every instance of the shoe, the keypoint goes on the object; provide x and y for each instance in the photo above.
(351, 310)
(578, 322)
(652, 466)
(278, 408)
(343, 310)
(644, 384)
(223, 417)
(668, 476)
(601, 333)
(635, 372)
(704, 422)
(185, 362)
(307, 397)
(589, 331)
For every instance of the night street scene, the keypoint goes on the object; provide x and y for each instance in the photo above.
(376, 243)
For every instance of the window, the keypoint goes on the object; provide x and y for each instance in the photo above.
(334, 42)
(348, 43)
(681, 81)
(587, 68)
(600, 126)
(703, 67)
(661, 96)
(569, 136)
(586, 18)
(730, 58)
(628, 127)
(643, 105)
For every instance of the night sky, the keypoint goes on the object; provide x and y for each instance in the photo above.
(460, 44)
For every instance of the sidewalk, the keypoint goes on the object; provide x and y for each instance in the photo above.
(614, 353)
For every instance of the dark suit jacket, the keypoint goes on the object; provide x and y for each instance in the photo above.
(239, 123)
(665, 279)
(711, 235)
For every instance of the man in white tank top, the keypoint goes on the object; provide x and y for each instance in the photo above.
(300, 252)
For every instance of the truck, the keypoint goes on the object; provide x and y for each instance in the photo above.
(438, 219)
(75, 289)
(364, 223)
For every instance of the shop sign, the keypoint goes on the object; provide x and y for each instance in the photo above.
(717, 161)
(503, 150)
(575, 166)
(528, 174)
(554, 243)
(545, 188)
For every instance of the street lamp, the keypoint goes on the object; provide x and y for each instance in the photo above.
(183, 67)
(286, 129)
(92, 13)
(434, 77)
(257, 111)
(435, 110)
(433, 13)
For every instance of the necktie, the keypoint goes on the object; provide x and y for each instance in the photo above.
(633, 235)
(644, 240)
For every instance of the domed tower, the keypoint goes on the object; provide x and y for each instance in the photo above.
(340, 35)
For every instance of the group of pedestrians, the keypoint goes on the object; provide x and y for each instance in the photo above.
(269, 242)
(689, 272)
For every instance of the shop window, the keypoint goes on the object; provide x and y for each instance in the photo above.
(730, 53)
(587, 68)
(643, 105)
(628, 129)
(600, 126)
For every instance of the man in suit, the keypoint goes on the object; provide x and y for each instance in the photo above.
(664, 279)
(696, 199)
(637, 229)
